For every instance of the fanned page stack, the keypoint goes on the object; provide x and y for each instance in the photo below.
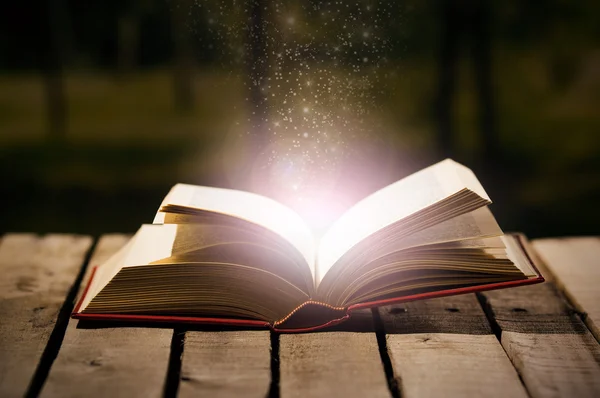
(224, 256)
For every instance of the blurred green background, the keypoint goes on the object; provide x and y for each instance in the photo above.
(104, 105)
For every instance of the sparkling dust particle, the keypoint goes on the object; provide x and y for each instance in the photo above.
(320, 74)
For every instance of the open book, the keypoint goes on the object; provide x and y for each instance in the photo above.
(224, 256)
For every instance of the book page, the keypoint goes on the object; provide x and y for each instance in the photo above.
(237, 244)
(247, 206)
(518, 256)
(152, 243)
(392, 204)
(476, 224)
(165, 267)
(475, 229)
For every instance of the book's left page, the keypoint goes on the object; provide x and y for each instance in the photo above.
(195, 270)
(191, 203)
(135, 252)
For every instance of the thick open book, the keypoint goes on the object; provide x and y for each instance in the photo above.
(223, 256)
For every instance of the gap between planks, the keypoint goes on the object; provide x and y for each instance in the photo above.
(573, 264)
(548, 343)
(111, 360)
(263, 363)
(40, 277)
(445, 347)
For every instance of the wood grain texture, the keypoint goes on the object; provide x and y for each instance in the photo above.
(331, 364)
(453, 365)
(37, 274)
(445, 347)
(227, 364)
(456, 314)
(549, 345)
(575, 265)
(112, 361)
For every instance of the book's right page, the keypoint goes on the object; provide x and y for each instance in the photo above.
(520, 253)
(435, 194)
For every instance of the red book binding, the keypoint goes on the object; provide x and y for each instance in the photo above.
(311, 315)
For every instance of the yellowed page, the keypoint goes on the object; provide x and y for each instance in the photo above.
(105, 272)
(516, 254)
(150, 243)
(247, 206)
(476, 224)
(392, 204)
(153, 242)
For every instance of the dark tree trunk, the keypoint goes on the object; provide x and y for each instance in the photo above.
(257, 74)
(465, 20)
(54, 46)
(255, 172)
(482, 64)
(129, 40)
(447, 69)
(183, 71)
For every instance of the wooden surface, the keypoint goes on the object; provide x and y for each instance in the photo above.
(548, 343)
(113, 361)
(233, 363)
(445, 347)
(331, 364)
(530, 341)
(37, 274)
(575, 264)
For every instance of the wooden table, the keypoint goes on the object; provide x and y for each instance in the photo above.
(536, 341)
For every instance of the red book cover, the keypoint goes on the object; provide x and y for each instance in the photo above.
(311, 315)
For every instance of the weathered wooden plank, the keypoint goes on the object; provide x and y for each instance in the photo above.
(456, 314)
(115, 361)
(232, 363)
(552, 349)
(331, 364)
(445, 347)
(227, 364)
(37, 274)
(575, 264)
